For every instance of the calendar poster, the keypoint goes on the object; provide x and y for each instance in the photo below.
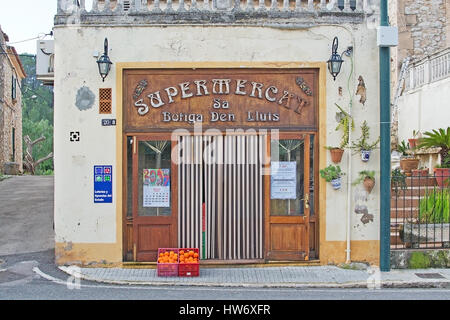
(156, 188)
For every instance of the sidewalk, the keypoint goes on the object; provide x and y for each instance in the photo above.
(273, 277)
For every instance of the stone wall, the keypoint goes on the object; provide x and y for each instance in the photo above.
(423, 26)
(10, 111)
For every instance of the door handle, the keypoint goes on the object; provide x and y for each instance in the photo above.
(306, 199)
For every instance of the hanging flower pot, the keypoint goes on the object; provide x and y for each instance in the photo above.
(333, 175)
(369, 183)
(336, 183)
(336, 154)
(365, 155)
(367, 178)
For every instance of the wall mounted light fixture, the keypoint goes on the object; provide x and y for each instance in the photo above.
(335, 62)
(104, 63)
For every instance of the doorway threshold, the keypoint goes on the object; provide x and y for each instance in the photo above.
(230, 264)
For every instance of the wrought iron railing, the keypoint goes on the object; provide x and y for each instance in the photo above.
(420, 211)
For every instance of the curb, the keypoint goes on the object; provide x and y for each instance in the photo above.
(356, 285)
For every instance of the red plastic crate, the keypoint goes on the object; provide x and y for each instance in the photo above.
(189, 269)
(167, 269)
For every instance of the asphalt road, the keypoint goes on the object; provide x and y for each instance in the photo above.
(28, 272)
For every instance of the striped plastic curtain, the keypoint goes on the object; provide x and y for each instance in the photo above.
(221, 195)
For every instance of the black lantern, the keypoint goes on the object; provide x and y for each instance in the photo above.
(335, 62)
(104, 64)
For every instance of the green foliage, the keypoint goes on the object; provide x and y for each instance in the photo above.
(439, 138)
(403, 148)
(362, 143)
(362, 175)
(331, 172)
(419, 260)
(345, 120)
(435, 207)
(37, 114)
(398, 180)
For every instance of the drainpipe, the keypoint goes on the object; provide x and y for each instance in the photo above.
(385, 151)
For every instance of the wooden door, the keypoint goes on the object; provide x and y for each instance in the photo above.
(154, 195)
(287, 207)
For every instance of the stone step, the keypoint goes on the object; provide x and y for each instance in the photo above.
(405, 202)
(408, 212)
(420, 181)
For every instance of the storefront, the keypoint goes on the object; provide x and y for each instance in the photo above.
(222, 159)
(209, 131)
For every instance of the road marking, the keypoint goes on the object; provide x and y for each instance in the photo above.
(278, 290)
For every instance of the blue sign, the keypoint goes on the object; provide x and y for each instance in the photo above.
(102, 184)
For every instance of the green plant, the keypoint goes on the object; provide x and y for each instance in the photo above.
(345, 120)
(439, 138)
(331, 173)
(435, 207)
(403, 148)
(362, 143)
(419, 260)
(362, 175)
(398, 180)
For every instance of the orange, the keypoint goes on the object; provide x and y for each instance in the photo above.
(191, 253)
(186, 255)
(181, 252)
(196, 255)
(166, 253)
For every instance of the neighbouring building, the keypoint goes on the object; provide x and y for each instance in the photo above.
(210, 129)
(11, 75)
(424, 38)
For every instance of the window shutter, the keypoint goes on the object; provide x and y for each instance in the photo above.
(13, 88)
(105, 100)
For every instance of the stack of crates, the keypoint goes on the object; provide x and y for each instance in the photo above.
(189, 269)
(183, 267)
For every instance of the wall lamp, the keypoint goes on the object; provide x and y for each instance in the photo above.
(335, 62)
(104, 63)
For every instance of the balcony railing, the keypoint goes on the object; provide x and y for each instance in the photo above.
(428, 70)
(212, 11)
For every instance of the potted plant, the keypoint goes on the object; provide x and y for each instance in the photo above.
(408, 162)
(332, 174)
(367, 178)
(439, 139)
(413, 143)
(344, 122)
(398, 180)
(421, 172)
(363, 145)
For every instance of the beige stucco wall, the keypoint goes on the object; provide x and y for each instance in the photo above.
(424, 109)
(79, 221)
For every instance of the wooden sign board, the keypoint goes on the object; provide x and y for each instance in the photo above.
(158, 100)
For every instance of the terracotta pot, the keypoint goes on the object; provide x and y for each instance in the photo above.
(413, 143)
(442, 177)
(420, 172)
(336, 154)
(369, 184)
(408, 164)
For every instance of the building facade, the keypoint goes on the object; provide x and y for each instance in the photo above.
(210, 130)
(11, 75)
(424, 38)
